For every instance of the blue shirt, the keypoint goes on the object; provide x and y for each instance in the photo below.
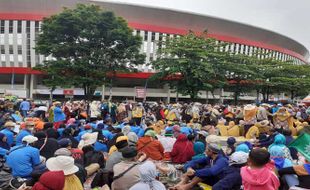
(59, 114)
(79, 137)
(23, 160)
(107, 134)
(138, 130)
(219, 164)
(25, 105)
(9, 135)
(186, 130)
(60, 131)
(21, 135)
(100, 147)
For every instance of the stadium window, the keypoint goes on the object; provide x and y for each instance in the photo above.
(2, 26)
(11, 49)
(11, 26)
(145, 35)
(28, 26)
(19, 50)
(2, 49)
(153, 37)
(19, 26)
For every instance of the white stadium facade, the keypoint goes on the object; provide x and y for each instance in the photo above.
(20, 24)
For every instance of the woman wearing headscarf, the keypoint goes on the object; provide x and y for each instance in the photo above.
(50, 180)
(277, 155)
(233, 129)
(47, 146)
(65, 164)
(132, 137)
(280, 141)
(147, 178)
(182, 150)
(282, 119)
(199, 149)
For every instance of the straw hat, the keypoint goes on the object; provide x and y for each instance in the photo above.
(62, 163)
(88, 139)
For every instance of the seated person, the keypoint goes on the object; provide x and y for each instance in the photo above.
(210, 174)
(302, 172)
(182, 150)
(232, 129)
(231, 179)
(257, 175)
(24, 159)
(126, 173)
(150, 146)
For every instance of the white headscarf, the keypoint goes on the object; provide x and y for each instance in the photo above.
(147, 178)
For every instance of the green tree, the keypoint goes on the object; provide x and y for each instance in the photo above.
(201, 64)
(88, 46)
(184, 58)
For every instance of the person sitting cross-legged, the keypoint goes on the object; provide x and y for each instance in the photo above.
(214, 164)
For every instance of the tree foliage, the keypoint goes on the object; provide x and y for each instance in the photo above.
(87, 46)
(203, 64)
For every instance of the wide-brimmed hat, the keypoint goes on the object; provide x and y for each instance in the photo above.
(249, 107)
(88, 139)
(62, 152)
(9, 124)
(29, 139)
(62, 163)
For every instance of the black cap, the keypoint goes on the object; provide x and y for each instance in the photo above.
(129, 152)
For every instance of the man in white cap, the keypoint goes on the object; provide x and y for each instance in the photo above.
(231, 178)
(24, 159)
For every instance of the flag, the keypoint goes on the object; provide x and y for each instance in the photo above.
(302, 144)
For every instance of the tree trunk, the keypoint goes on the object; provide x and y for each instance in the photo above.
(292, 95)
(257, 95)
(267, 94)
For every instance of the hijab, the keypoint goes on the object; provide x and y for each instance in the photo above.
(279, 140)
(50, 180)
(277, 155)
(147, 178)
(4, 145)
(199, 149)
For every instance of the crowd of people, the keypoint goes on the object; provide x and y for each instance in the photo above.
(79, 145)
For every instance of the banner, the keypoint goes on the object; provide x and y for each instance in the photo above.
(140, 92)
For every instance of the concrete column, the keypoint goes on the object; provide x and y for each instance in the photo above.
(167, 89)
(31, 86)
(221, 95)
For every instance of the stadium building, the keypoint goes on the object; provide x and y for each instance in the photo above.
(20, 25)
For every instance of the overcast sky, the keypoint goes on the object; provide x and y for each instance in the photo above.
(288, 17)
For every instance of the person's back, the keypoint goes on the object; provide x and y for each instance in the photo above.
(25, 106)
(22, 159)
(129, 179)
(257, 175)
(151, 147)
(182, 151)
